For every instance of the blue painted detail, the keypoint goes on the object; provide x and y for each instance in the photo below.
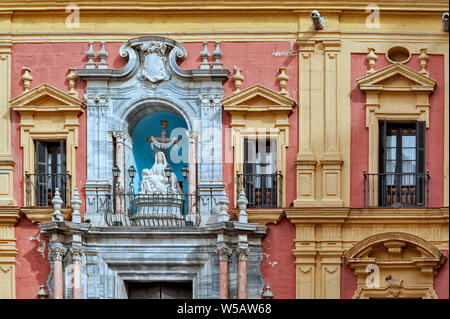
(143, 155)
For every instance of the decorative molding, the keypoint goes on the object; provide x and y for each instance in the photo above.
(36, 107)
(258, 99)
(44, 214)
(395, 289)
(263, 216)
(258, 112)
(414, 258)
(401, 85)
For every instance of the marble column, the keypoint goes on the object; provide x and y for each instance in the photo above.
(77, 253)
(58, 252)
(242, 272)
(224, 255)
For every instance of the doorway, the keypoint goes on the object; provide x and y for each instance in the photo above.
(159, 290)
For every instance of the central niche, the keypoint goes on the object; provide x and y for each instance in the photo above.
(150, 130)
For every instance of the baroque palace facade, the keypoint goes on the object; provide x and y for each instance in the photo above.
(232, 149)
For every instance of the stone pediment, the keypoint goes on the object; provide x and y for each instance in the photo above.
(258, 98)
(396, 77)
(46, 98)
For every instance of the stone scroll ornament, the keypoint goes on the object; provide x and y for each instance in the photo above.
(154, 66)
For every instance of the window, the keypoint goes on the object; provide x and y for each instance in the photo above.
(260, 177)
(50, 173)
(402, 178)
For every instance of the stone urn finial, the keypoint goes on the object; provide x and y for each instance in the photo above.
(242, 204)
(237, 78)
(283, 78)
(57, 204)
(26, 78)
(204, 55)
(72, 77)
(76, 203)
(423, 58)
(42, 293)
(372, 58)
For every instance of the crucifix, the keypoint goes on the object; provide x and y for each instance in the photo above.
(162, 143)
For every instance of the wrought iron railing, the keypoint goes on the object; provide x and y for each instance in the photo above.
(262, 190)
(40, 189)
(145, 210)
(396, 189)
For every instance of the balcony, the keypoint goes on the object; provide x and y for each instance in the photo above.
(396, 190)
(40, 189)
(156, 210)
(262, 190)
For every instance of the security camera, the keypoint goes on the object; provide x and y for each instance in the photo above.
(445, 22)
(318, 21)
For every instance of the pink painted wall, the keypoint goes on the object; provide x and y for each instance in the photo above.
(260, 64)
(32, 268)
(360, 135)
(49, 63)
(441, 280)
(349, 281)
(278, 264)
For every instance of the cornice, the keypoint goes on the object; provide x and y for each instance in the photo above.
(263, 216)
(273, 101)
(9, 215)
(44, 215)
(301, 215)
(190, 5)
(25, 101)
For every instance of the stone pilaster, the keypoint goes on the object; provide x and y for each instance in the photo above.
(319, 160)
(6, 160)
(9, 214)
(318, 251)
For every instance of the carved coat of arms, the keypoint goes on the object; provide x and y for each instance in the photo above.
(154, 66)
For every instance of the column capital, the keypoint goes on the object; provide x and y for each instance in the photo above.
(76, 252)
(224, 253)
(58, 251)
(242, 252)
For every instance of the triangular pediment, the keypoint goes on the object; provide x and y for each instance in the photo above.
(258, 97)
(45, 97)
(396, 77)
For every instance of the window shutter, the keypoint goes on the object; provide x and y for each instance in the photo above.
(382, 148)
(249, 156)
(420, 165)
(64, 183)
(249, 169)
(41, 178)
(382, 164)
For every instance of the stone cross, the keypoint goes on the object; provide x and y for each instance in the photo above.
(163, 140)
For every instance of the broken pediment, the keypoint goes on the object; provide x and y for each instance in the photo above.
(396, 77)
(46, 98)
(258, 98)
